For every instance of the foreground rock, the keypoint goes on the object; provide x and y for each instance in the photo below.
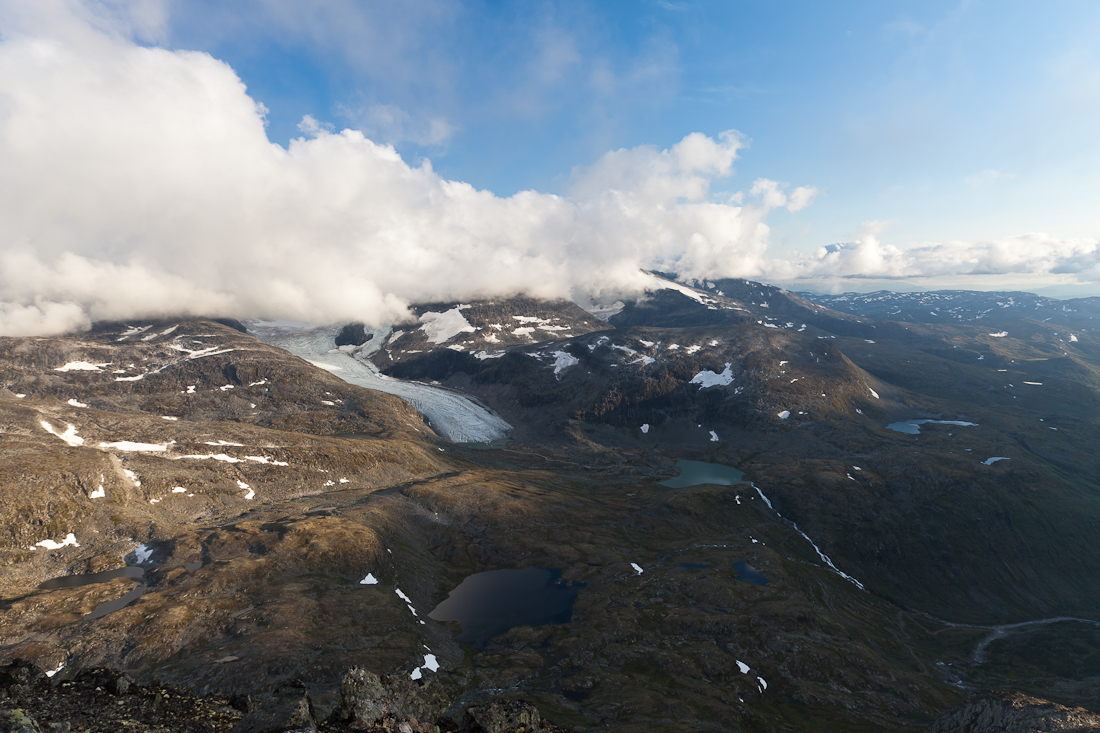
(1013, 712)
(102, 700)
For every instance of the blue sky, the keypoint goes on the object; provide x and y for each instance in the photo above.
(354, 157)
(948, 120)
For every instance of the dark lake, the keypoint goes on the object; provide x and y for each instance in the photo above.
(749, 574)
(488, 604)
(912, 427)
(75, 581)
(694, 473)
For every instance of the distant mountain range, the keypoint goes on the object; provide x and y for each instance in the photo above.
(962, 306)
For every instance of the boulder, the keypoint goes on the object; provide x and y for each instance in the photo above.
(20, 676)
(366, 698)
(288, 709)
(17, 721)
(502, 716)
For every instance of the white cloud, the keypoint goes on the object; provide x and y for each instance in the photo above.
(138, 181)
(659, 177)
(1033, 254)
(773, 197)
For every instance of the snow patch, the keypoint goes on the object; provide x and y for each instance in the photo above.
(989, 461)
(999, 334)
(874, 393)
(742, 666)
(440, 327)
(369, 580)
(637, 567)
(70, 539)
(713, 437)
(708, 378)
(251, 494)
(80, 366)
(645, 428)
(74, 403)
(132, 331)
(69, 436)
(98, 493)
(564, 360)
(784, 415)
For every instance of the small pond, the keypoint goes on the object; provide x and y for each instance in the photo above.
(912, 427)
(76, 581)
(119, 603)
(694, 473)
(749, 574)
(488, 604)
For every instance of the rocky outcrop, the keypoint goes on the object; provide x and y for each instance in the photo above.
(1014, 712)
(485, 327)
(107, 700)
(504, 716)
(368, 700)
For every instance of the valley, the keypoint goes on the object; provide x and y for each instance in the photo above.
(300, 506)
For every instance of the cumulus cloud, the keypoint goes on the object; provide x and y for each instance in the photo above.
(138, 182)
(773, 196)
(866, 256)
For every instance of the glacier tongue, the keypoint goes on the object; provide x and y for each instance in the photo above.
(454, 416)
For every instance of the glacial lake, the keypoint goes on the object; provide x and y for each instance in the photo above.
(490, 603)
(912, 427)
(749, 574)
(76, 581)
(694, 473)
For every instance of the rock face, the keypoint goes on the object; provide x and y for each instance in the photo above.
(17, 721)
(485, 327)
(353, 334)
(288, 708)
(1013, 712)
(94, 701)
(502, 717)
(367, 699)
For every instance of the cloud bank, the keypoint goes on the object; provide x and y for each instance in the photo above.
(137, 181)
(866, 257)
